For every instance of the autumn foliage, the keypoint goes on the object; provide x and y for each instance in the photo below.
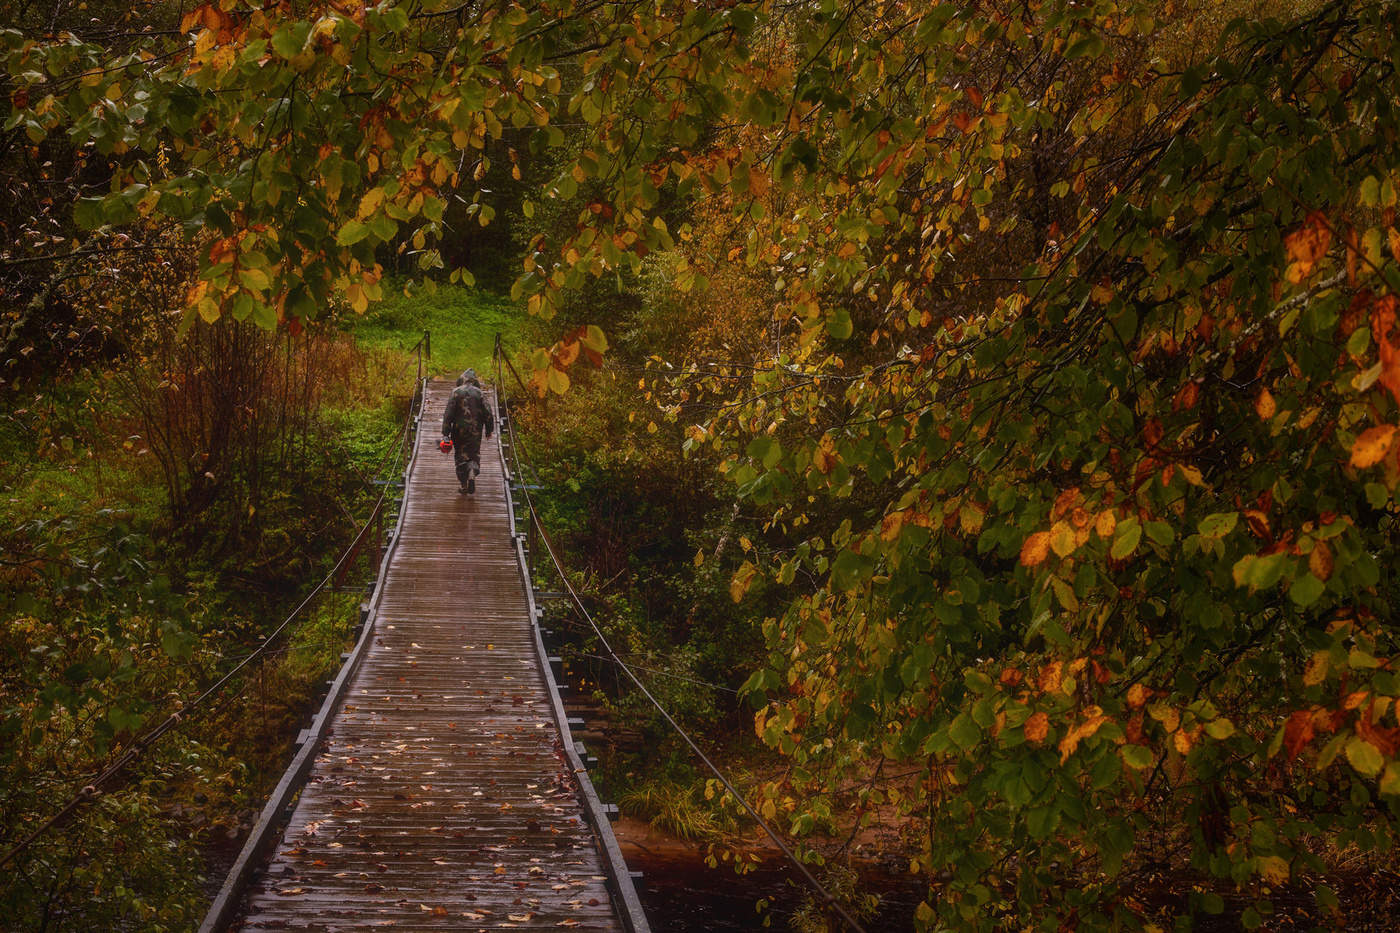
(1076, 421)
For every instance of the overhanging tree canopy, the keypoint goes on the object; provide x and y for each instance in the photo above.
(1087, 386)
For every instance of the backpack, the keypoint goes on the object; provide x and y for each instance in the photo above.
(467, 407)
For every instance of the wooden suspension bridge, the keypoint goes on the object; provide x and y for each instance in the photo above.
(439, 787)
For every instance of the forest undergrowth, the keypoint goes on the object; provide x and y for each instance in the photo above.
(153, 536)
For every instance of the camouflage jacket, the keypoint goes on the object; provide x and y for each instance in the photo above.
(467, 413)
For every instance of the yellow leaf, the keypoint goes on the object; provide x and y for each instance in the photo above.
(370, 202)
(1062, 538)
(1106, 523)
(1273, 869)
(1035, 549)
(1316, 671)
(1168, 716)
(1182, 740)
(1371, 447)
(1320, 561)
(742, 580)
(355, 294)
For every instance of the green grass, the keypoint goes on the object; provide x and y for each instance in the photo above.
(463, 322)
(62, 453)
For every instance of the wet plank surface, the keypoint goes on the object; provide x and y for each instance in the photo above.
(441, 799)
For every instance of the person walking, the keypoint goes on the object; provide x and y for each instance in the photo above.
(467, 417)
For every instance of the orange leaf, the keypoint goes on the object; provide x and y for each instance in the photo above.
(1137, 695)
(1320, 561)
(1035, 549)
(1050, 677)
(1371, 447)
(1084, 730)
(1187, 396)
(1298, 732)
(1064, 502)
(1037, 728)
(566, 353)
(1306, 246)
(825, 457)
(1264, 405)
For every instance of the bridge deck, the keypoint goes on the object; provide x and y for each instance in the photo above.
(441, 798)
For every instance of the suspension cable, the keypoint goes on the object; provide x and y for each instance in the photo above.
(826, 896)
(93, 789)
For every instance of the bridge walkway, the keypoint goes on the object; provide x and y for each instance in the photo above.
(442, 796)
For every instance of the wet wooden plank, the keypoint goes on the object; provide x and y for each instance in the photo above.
(441, 798)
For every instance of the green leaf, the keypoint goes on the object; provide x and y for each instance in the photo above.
(1088, 46)
(396, 19)
(1306, 590)
(1218, 525)
(1041, 821)
(255, 279)
(1364, 756)
(1137, 757)
(87, 213)
(1220, 728)
(964, 731)
(289, 40)
(1160, 533)
(352, 233)
(839, 325)
(1370, 191)
(594, 339)
(1361, 660)
(1125, 538)
(1259, 573)
(850, 570)
(1064, 594)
